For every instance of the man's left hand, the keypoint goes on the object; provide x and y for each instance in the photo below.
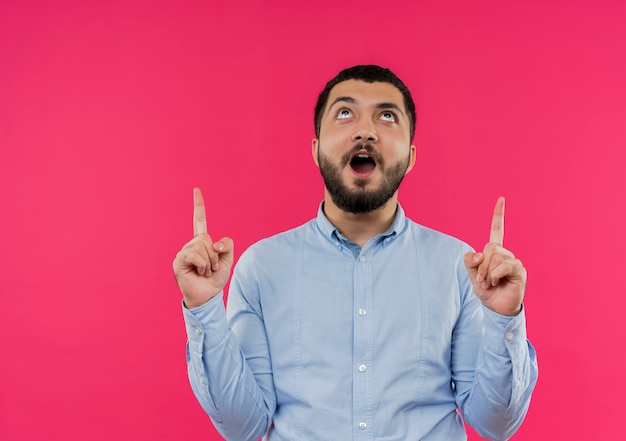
(498, 278)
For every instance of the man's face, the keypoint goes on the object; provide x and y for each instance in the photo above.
(364, 147)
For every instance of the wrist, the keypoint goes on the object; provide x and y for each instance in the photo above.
(195, 303)
(506, 312)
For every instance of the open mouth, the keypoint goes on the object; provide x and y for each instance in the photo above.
(363, 164)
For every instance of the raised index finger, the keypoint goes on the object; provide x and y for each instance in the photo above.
(497, 223)
(199, 213)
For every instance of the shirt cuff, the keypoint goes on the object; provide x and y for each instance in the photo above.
(503, 334)
(206, 322)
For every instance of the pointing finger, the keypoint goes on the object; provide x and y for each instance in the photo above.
(497, 223)
(199, 213)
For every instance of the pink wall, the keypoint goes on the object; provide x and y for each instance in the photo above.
(110, 112)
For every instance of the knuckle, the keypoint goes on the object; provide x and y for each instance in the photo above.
(497, 259)
(181, 258)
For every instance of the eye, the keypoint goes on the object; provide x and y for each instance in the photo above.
(344, 114)
(388, 116)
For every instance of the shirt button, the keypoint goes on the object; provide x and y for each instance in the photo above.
(197, 330)
(362, 368)
(362, 258)
(337, 244)
(362, 425)
(387, 240)
(509, 336)
(362, 312)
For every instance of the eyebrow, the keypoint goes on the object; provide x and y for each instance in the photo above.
(349, 99)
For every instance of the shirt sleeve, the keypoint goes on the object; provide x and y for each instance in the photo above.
(494, 369)
(220, 376)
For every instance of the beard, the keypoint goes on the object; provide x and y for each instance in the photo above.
(361, 199)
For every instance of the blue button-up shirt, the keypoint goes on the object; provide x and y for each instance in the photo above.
(324, 340)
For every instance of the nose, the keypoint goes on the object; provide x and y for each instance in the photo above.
(365, 131)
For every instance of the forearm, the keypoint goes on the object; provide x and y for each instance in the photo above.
(505, 376)
(220, 377)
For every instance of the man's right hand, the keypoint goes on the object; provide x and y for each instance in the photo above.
(202, 267)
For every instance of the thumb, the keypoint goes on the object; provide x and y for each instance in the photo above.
(472, 262)
(225, 247)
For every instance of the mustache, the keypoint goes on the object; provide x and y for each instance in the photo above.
(360, 146)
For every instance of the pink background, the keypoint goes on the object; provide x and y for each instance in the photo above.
(111, 111)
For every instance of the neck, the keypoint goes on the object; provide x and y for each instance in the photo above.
(361, 227)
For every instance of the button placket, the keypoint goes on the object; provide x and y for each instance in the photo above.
(362, 377)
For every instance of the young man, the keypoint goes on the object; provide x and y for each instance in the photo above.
(360, 324)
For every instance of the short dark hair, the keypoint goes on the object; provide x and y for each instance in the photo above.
(370, 74)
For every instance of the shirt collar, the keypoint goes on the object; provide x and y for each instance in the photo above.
(329, 230)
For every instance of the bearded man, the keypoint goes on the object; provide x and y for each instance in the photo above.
(360, 324)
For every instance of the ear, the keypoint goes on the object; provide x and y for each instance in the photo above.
(412, 159)
(315, 144)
